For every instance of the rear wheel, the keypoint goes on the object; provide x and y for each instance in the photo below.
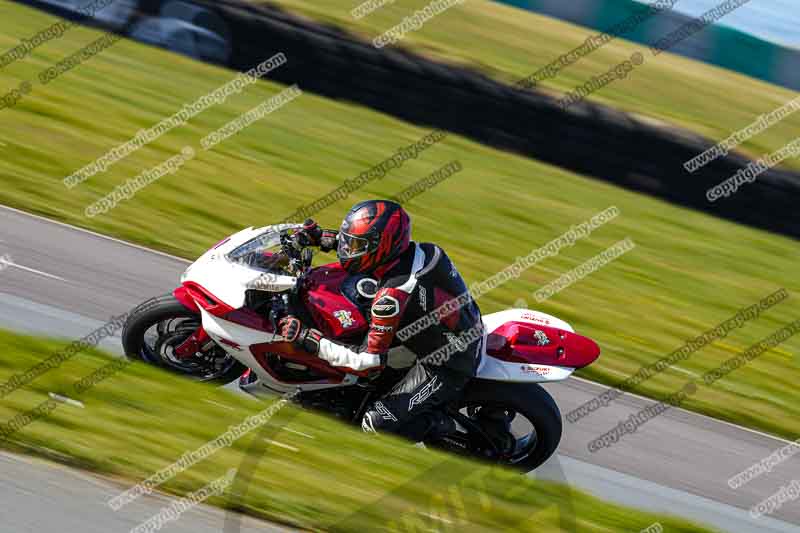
(518, 424)
(153, 331)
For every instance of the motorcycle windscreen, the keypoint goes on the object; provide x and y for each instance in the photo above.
(261, 253)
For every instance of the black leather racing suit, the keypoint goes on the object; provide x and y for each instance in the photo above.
(421, 289)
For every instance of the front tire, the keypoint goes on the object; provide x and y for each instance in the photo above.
(531, 402)
(156, 327)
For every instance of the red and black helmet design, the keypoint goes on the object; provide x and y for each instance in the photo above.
(373, 233)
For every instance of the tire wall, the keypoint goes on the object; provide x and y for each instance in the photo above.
(586, 138)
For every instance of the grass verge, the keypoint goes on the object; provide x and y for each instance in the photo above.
(321, 474)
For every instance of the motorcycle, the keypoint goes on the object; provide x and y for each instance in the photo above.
(221, 324)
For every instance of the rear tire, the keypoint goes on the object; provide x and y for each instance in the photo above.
(156, 311)
(532, 402)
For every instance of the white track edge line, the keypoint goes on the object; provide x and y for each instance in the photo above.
(94, 233)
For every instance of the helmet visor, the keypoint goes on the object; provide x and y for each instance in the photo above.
(351, 246)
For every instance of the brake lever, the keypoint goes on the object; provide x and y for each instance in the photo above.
(273, 318)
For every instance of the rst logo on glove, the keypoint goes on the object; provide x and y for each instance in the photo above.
(386, 307)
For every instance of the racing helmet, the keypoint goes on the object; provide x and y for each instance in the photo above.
(373, 233)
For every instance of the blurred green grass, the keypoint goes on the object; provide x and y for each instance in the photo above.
(321, 473)
(509, 44)
(689, 270)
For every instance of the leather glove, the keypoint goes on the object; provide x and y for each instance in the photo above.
(301, 336)
(312, 235)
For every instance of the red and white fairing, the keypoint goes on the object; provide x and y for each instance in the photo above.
(519, 345)
(522, 345)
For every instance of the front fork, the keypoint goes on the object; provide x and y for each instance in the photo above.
(199, 341)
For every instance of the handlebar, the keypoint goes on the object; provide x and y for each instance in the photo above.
(300, 257)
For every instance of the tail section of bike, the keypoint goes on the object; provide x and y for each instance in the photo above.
(529, 346)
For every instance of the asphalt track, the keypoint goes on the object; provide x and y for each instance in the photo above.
(41, 497)
(65, 282)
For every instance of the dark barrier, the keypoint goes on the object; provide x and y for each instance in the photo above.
(586, 138)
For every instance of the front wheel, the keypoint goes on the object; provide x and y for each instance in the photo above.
(153, 331)
(520, 420)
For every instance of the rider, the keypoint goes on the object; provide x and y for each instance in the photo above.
(413, 280)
